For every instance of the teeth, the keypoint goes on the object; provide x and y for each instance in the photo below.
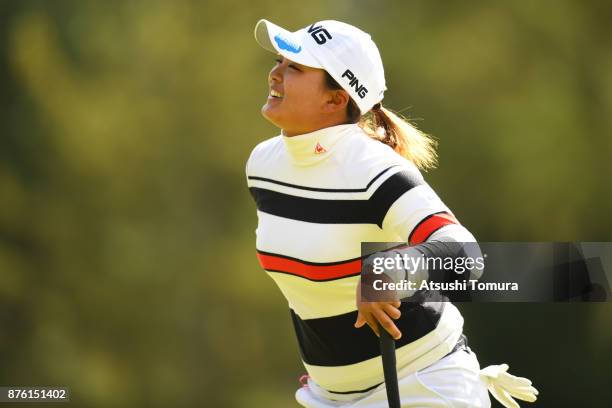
(276, 94)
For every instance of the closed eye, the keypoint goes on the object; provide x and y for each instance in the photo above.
(290, 65)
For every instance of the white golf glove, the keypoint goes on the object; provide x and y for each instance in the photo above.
(503, 386)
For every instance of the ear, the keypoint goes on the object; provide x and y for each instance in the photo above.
(337, 101)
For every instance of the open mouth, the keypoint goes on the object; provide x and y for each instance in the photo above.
(275, 94)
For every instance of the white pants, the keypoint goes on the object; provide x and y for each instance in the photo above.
(453, 381)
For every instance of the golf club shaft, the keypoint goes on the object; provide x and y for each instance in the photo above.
(387, 351)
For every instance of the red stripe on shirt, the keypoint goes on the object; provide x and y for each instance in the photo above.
(429, 225)
(274, 263)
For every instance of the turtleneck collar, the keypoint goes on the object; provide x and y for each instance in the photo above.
(310, 148)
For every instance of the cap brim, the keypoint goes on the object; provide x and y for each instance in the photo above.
(280, 41)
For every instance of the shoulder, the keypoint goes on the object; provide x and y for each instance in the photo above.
(370, 158)
(263, 153)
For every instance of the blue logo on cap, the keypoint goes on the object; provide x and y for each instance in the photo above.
(286, 45)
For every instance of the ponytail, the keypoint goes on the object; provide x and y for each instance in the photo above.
(391, 129)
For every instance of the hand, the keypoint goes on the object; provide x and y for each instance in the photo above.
(378, 313)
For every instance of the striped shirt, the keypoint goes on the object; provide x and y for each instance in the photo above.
(319, 195)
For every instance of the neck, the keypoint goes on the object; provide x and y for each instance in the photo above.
(308, 149)
(319, 126)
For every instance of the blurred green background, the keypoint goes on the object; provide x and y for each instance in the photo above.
(127, 254)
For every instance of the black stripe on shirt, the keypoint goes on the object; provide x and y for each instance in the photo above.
(355, 391)
(370, 211)
(334, 341)
(327, 190)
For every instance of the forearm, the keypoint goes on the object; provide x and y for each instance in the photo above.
(452, 245)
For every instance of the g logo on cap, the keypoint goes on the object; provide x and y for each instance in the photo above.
(319, 34)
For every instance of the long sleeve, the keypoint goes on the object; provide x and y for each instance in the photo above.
(432, 231)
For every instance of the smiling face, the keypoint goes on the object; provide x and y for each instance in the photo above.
(299, 100)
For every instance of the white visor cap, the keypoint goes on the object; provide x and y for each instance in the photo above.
(348, 54)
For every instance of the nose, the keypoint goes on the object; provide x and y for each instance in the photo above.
(276, 74)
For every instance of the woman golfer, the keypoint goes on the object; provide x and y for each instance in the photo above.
(345, 170)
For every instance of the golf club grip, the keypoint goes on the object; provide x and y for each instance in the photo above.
(387, 351)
